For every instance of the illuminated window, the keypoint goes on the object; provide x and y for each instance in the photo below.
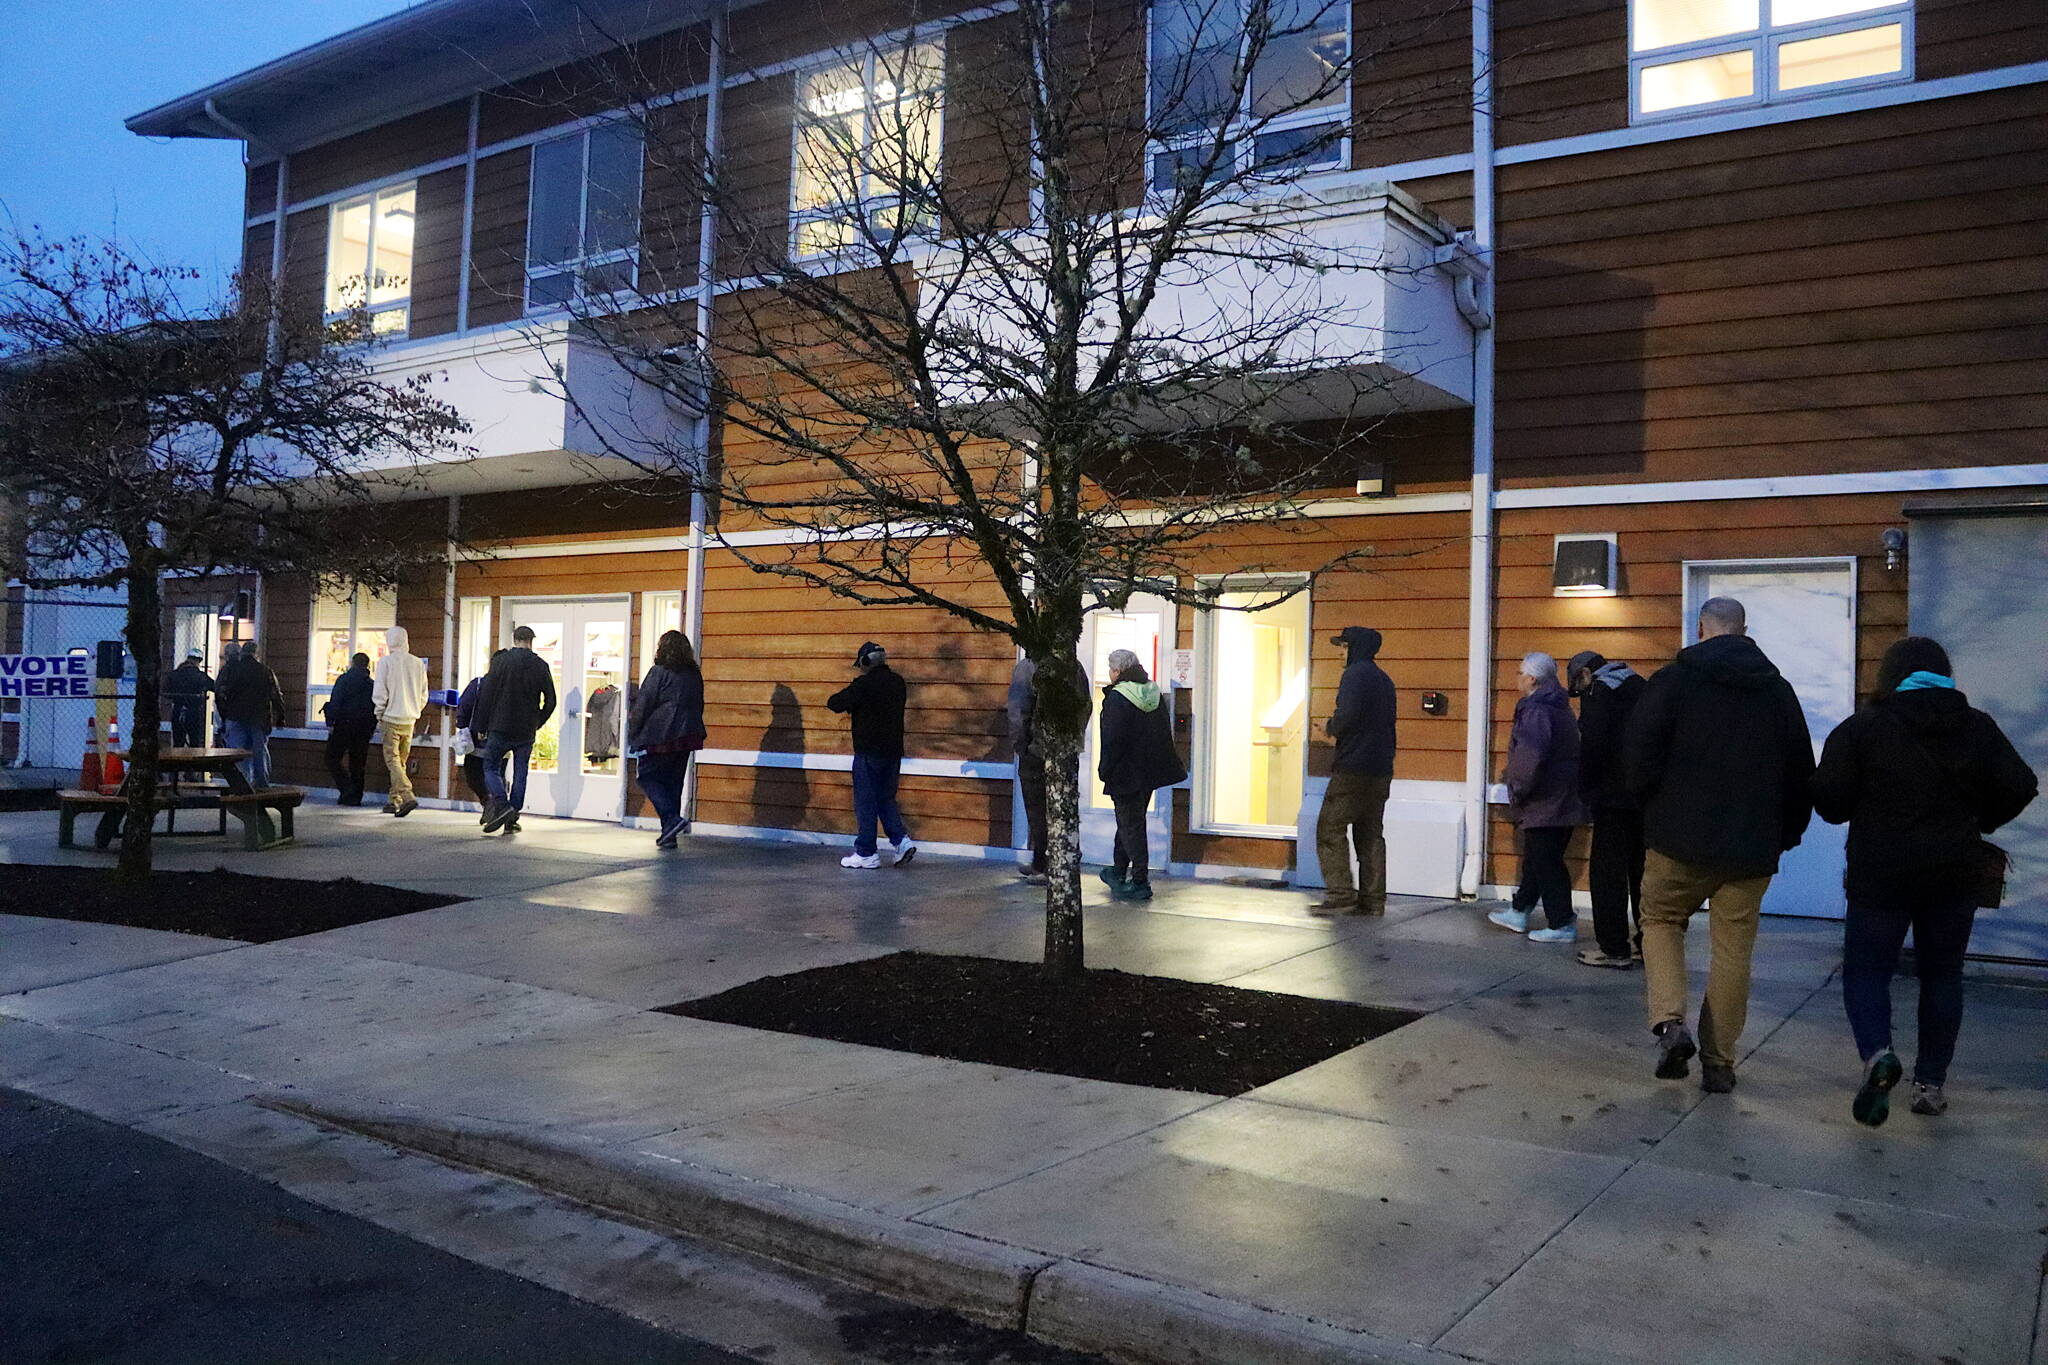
(660, 612)
(583, 222)
(344, 624)
(868, 137)
(474, 644)
(369, 257)
(1692, 55)
(1273, 74)
(1254, 709)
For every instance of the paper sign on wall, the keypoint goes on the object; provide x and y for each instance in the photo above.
(46, 675)
(1183, 674)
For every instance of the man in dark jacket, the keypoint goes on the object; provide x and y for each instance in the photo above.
(1361, 774)
(874, 701)
(516, 699)
(1720, 760)
(1022, 711)
(351, 720)
(186, 690)
(1136, 758)
(251, 706)
(1608, 691)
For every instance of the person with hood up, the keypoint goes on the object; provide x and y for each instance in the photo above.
(251, 706)
(186, 690)
(1919, 776)
(874, 702)
(1361, 774)
(1608, 691)
(1543, 789)
(1721, 763)
(1137, 758)
(469, 741)
(515, 701)
(398, 695)
(351, 719)
(1022, 712)
(667, 726)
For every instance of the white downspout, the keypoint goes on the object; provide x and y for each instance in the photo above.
(707, 299)
(1479, 637)
(448, 650)
(468, 218)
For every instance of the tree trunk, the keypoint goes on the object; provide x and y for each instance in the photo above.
(145, 642)
(1059, 720)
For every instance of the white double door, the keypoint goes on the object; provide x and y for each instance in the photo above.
(579, 766)
(1145, 627)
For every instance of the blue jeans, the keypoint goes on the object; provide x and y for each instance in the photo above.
(256, 739)
(1871, 938)
(497, 745)
(661, 777)
(874, 799)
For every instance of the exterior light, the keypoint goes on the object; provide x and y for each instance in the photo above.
(1375, 481)
(1586, 565)
(1894, 542)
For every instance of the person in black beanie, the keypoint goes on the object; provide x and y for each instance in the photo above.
(874, 701)
(1608, 691)
(1362, 773)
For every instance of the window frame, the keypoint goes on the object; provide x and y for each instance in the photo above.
(474, 640)
(864, 206)
(318, 690)
(577, 267)
(1763, 43)
(1241, 123)
(1201, 808)
(400, 306)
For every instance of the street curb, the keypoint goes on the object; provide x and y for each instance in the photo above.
(1069, 1303)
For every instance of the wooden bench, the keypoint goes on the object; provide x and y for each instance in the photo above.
(252, 809)
(71, 803)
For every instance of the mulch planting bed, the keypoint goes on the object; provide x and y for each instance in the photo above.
(1103, 1025)
(217, 904)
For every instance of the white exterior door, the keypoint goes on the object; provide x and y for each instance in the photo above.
(578, 768)
(1802, 614)
(1145, 627)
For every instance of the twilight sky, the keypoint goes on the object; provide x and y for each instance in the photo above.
(71, 70)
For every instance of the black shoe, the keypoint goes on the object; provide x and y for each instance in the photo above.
(1133, 891)
(1873, 1102)
(1675, 1049)
(512, 825)
(1716, 1079)
(499, 816)
(407, 809)
(1112, 879)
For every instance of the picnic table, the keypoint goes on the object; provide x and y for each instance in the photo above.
(232, 795)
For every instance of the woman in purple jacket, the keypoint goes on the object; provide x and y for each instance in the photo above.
(1543, 790)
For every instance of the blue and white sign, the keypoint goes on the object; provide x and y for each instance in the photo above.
(46, 675)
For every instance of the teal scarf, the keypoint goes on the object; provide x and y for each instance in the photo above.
(1915, 681)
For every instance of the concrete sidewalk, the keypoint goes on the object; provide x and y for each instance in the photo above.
(1502, 1180)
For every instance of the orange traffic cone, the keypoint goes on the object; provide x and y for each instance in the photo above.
(112, 768)
(89, 767)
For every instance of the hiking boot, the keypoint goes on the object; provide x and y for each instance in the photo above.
(861, 860)
(390, 808)
(1133, 891)
(1514, 921)
(512, 825)
(1112, 879)
(904, 852)
(1335, 903)
(1600, 957)
(669, 834)
(499, 815)
(1675, 1048)
(1716, 1079)
(1370, 910)
(1928, 1100)
(1568, 933)
(1873, 1102)
(406, 808)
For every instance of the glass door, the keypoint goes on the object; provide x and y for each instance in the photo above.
(578, 766)
(1145, 627)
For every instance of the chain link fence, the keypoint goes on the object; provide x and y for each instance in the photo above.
(46, 732)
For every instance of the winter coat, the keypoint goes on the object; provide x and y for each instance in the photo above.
(465, 710)
(1719, 759)
(1022, 708)
(517, 696)
(399, 693)
(1603, 731)
(668, 711)
(1137, 756)
(246, 692)
(1363, 721)
(188, 685)
(875, 701)
(1543, 762)
(351, 705)
(1918, 776)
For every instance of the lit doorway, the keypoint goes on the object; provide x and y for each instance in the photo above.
(1145, 627)
(1252, 753)
(578, 767)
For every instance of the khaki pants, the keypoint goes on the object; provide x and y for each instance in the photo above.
(1354, 812)
(397, 753)
(1672, 893)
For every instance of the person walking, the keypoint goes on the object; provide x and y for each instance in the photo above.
(1543, 800)
(351, 716)
(667, 726)
(1137, 758)
(1608, 691)
(251, 706)
(1022, 712)
(469, 742)
(398, 695)
(1720, 761)
(515, 701)
(1361, 774)
(874, 702)
(186, 691)
(1919, 776)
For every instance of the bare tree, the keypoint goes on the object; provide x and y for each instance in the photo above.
(1048, 311)
(139, 435)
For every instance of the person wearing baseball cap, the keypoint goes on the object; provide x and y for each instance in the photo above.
(874, 702)
(1355, 803)
(1608, 691)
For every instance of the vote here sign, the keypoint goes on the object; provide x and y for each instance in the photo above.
(46, 675)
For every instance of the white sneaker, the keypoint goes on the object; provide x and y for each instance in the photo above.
(1568, 934)
(1515, 920)
(861, 860)
(905, 851)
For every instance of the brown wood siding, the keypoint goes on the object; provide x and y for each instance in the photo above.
(437, 253)
(625, 78)
(256, 250)
(1412, 94)
(985, 158)
(1449, 195)
(1956, 37)
(671, 198)
(382, 152)
(1857, 292)
(497, 266)
(287, 640)
(305, 262)
(259, 189)
(1562, 68)
(755, 159)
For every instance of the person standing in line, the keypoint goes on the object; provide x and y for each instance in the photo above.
(874, 701)
(1608, 691)
(351, 720)
(1361, 774)
(667, 726)
(1721, 763)
(1138, 758)
(516, 699)
(251, 706)
(1919, 776)
(398, 695)
(469, 742)
(186, 691)
(1022, 709)
(1543, 789)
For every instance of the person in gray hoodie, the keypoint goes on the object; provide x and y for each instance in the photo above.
(398, 693)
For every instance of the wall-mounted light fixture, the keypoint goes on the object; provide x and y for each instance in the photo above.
(1586, 565)
(1375, 481)
(1894, 542)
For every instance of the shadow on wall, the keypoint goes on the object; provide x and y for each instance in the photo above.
(950, 665)
(782, 795)
(1572, 369)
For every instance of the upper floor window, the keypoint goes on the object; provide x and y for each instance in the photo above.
(369, 257)
(1274, 74)
(1690, 55)
(583, 224)
(867, 148)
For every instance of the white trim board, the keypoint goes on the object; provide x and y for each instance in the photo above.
(843, 763)
(1780, 486)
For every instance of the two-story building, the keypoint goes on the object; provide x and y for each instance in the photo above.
(1766, 319)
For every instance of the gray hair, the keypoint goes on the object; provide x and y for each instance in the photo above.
(1725, 614)
(1539, 666)
(1121, 659)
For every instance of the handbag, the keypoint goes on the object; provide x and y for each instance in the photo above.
(1988, 864)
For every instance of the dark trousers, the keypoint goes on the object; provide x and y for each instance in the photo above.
(473, 776)
(498, 745)
(874, 801)
(1545, 878)
(662, 777)
(1031, 779)
(1131, 856)
(348, 749)
(1615, 873)
(1354, 815)
(188, 724)
(1871, 939)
